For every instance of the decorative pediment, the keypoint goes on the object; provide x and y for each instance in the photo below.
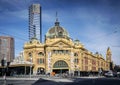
(61, 44)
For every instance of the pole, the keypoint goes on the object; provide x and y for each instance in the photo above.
(30, 66)
(30, 71)
(25, 70)
(79, 72)
(5, 71)
(5, 77)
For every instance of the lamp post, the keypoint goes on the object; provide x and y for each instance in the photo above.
(99, 71)
(4, 65)
(30, 66)
(79, 72)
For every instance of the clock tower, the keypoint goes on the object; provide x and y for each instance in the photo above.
(108, 55)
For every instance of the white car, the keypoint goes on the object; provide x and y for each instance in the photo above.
(118, 74)
(109, 74)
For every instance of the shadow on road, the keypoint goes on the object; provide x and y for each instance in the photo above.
(47, 82)
(80, 81)
(97, 81)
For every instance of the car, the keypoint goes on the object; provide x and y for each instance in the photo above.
(118, 74)
(109, 74)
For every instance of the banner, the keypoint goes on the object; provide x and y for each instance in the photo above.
(49, 61)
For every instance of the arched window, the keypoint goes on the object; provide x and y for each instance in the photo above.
(60, 64)
(75, 54)
(86, 60)
(40, 61)
(30, 54)
(76, 60)
(40, 54)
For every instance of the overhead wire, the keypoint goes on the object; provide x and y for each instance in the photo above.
(13, 36)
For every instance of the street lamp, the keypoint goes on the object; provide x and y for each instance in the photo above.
(4, 64)
(78, 71)
(30, 66)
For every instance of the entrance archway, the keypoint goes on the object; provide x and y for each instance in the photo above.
(60, 67)
(40, 70)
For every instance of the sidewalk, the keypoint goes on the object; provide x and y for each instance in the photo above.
(47, 78)
(14, 78)
(92, 77)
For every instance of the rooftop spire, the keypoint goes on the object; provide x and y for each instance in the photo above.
(56, 17)
(108, 50)
(56, 22)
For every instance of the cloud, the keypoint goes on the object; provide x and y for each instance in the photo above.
(93, 23)
(23, 14)
(12, 10)
(14, 5)
(97, 32)
(48, 16)
(101, 44)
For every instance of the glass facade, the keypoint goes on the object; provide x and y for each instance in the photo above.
(34, 21)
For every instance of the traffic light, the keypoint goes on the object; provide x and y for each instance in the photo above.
(8, 63)
(3, 62)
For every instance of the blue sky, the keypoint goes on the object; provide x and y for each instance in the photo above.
(96, 23)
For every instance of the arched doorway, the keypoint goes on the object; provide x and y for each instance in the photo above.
(60, 67)
(40, 70)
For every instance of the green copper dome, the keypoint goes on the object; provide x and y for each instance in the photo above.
(57, 32)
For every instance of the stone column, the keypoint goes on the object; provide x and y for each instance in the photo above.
(72, 63)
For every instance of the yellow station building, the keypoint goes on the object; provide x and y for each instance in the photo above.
(60, 54)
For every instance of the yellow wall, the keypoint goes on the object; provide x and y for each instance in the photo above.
(34, 47)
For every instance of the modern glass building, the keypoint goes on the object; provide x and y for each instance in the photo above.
(35, 21)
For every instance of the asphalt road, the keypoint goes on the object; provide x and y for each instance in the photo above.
(96, 81)
(75, 81)
(17, 82)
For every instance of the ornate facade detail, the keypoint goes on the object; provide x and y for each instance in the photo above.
(59, 50)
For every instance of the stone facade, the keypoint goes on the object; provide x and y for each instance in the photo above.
(60, 54)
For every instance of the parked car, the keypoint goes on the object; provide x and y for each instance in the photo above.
(109, 74)
(118, 74)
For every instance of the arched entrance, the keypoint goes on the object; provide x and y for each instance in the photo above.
(40, 70)
(60, 67)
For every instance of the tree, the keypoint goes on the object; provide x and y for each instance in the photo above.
(117, 68)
